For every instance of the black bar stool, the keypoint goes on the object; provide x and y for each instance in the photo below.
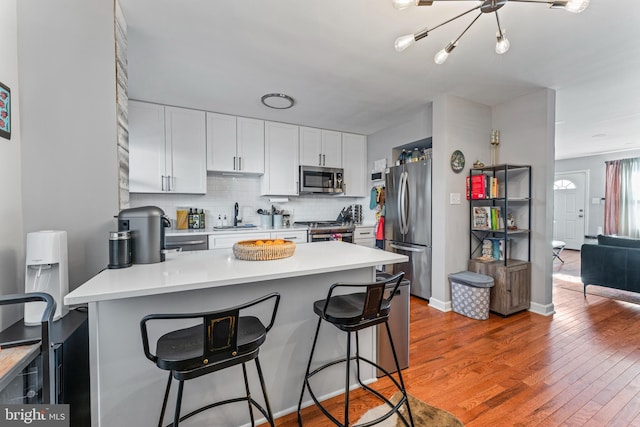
(223, 339)
(351, 313)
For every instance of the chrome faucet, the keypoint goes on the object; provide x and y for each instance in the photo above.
(235, 215)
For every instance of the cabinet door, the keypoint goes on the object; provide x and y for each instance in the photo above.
(354, 155)
(250, 145)
(331, 149)
(280, 159)
(147, 152)
(221, 142)
(297, 236)
(217, 241)
(185, 133)
(310, 146)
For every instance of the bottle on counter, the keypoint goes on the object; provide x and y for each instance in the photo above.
(219, 221)
(196, 219)
(224, 221)
(202, 218)
(190, 219)
(416, 155)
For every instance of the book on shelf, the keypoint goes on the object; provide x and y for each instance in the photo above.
(478, 186)
(481, 218)
(493, 187)
(497, 220)
(498, 248)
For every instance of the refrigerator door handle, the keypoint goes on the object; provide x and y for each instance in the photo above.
(400, 200)
(404, 214)
(406, 248)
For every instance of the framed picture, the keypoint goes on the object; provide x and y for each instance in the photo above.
(5, 111)
(481, 218)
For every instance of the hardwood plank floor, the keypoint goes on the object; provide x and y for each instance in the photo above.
(579, 367)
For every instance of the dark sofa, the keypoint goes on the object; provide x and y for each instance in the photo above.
(614, 262)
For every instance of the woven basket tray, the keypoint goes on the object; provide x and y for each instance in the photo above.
(250, 250)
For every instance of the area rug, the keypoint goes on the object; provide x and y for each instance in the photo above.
(423, 415)
(573, 283)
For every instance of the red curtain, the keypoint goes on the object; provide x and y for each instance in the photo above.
(612, 197)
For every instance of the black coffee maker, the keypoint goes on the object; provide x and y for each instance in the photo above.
(146, 225)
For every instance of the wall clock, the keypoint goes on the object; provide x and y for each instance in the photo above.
(457, 161)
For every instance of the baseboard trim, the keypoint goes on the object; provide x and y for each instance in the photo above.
(544, 310)
(440, 305)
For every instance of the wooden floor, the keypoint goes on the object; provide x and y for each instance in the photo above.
(580, 366)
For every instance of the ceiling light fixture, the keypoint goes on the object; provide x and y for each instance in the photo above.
(279, 101)
(485, 6)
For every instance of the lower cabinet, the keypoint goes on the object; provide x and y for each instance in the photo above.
(217, 241)
(365, 236)
(511, 290)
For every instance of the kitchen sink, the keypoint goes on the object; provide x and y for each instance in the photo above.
(234, 227)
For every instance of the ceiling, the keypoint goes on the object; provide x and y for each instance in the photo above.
(336, 59)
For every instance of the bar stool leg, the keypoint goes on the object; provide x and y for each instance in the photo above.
(304, 382)
(395, 358)
(246, 387)
(264, 393)
(166, 397)
(346, 385)
(176, 416)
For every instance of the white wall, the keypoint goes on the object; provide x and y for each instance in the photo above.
(66, 57)
(596, 186)
(380, 144)
(462, 125)
(527, 134)
(11, 242)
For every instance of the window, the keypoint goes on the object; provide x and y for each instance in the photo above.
(564, 184)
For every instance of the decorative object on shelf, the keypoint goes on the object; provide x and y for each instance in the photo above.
(511, 222)
(457, 161)
(487, 250)
(279, 101)
(486, 6)
(481, 218)
(495, 143)
(478, 164)
(5, 111)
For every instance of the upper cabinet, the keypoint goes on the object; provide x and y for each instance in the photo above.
(167, 149)
(235, 144)
(354, 159)
(320, 147)
(280, 159)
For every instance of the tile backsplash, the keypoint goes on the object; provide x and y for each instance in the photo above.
(224, 191)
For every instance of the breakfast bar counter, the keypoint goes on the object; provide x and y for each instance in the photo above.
(127, 389)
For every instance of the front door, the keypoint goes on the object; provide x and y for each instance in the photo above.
(569, 214)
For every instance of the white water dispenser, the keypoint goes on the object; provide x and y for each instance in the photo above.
(46, 271)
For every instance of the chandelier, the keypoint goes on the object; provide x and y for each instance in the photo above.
(485, 6)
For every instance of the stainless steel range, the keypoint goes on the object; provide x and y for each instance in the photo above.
(322, 231)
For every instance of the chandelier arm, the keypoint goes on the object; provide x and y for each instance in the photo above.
(498, 21)
(455, 17)
(465, 30)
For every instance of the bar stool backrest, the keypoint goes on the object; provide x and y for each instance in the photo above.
(221, 334)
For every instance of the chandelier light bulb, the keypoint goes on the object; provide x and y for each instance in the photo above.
(401, 4)
(576, 6)
(502, 45)
(404, 42)
(442, 56)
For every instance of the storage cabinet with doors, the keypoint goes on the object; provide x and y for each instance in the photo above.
(280, 159)
(235, 144)
(365, 236)
(167, 149)
(320, 147)
(354, 163)
(511, 242)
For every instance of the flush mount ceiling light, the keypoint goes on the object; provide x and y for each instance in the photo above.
(485, 6)
(279, 101)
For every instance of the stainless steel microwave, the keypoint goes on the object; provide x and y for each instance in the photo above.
(320, 180)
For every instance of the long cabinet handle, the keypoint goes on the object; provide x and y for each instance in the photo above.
(162, 182)
(319, 159)
(406, 248)
(234, 162)
(239, 163)
(324, 160)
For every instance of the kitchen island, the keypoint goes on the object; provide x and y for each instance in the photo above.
(127, 389)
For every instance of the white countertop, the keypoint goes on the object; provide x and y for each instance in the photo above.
(213, 268)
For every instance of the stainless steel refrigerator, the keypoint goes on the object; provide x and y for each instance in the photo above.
(408, 222)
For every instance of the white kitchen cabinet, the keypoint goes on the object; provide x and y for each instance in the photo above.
(354, 162)
(365, 236)
(320, 147)
(235, 144)
(297, 236)
(167, 149)
(280, 159)
(226, 240)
